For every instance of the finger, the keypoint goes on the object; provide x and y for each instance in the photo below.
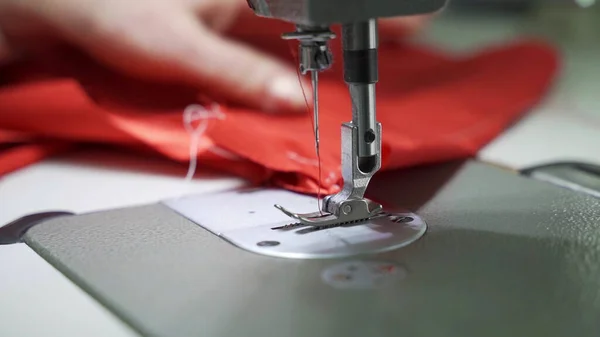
(176, 47)
(239, 72)
(218, 15)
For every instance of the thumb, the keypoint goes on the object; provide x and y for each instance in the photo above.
(239, 72)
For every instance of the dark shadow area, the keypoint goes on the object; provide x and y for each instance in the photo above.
(413, 187)
(493, 6)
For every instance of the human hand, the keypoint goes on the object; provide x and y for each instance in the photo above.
(180, 41)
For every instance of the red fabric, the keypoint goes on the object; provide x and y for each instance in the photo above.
(432, 108)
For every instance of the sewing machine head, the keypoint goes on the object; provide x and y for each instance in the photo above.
(314, 17)
(328, 12)
(361, 138)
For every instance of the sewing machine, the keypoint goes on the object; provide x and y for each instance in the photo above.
(361, 138)
(504, 254)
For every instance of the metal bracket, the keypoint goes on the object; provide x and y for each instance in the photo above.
(355, 180)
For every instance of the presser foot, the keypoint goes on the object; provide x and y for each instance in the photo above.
(351, 212)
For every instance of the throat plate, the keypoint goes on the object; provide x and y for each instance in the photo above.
(377, 235)
(247, 220)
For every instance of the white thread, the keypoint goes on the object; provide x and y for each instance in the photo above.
(197, 113)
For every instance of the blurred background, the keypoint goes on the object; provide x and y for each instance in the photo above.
(566, 126)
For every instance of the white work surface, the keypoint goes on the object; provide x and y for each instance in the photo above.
(38, 301)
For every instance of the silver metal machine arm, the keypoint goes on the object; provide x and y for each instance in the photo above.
(361, 138)
(330, 12)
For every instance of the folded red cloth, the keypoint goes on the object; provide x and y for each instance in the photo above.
(433, 107)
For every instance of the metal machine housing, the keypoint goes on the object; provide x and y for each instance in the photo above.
(320, 12)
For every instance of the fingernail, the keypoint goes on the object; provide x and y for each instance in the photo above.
(286, 93)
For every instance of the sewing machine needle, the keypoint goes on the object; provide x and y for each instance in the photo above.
(315, 85)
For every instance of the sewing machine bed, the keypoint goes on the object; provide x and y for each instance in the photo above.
(504, 255)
